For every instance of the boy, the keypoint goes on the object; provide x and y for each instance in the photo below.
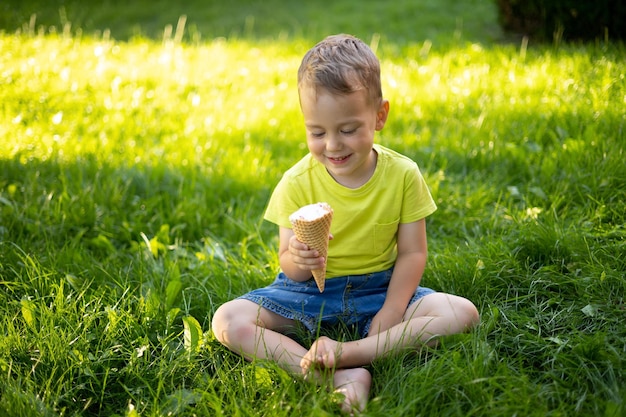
(378, 249)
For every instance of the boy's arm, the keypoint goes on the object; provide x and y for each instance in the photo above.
(407, 274)
(296, 260)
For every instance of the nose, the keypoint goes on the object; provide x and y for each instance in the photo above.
(333, 142)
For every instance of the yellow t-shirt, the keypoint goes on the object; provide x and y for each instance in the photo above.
(366, 219)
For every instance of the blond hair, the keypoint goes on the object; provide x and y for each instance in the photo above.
(341, 64)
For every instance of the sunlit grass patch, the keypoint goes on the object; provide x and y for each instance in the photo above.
(124, 101)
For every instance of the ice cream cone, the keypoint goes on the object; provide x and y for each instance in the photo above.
(311, 224)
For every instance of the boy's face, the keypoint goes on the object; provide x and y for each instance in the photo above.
(340, 132)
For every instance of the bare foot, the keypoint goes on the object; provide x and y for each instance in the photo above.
(324, 353)
(355, 385)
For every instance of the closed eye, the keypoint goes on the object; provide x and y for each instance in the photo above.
(348, 132)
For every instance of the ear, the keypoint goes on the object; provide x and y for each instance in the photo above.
(381, 114)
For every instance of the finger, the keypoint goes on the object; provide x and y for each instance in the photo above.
(328, 360)
(306, 255)
(297, 245)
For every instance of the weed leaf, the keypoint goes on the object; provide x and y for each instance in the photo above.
(192, 334)
(28, 312)
(172, 291)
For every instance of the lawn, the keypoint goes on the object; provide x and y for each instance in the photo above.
(136, 161)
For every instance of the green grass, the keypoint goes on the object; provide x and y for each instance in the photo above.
(134, 173)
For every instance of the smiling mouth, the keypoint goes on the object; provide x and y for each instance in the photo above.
(339, 158)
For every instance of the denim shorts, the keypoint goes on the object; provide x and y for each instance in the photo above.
(351, 300)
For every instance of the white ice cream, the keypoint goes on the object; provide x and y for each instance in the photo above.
(310, 212)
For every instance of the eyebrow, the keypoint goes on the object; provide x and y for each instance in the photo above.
(342, 123)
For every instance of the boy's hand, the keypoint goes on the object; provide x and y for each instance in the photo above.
(297, 260)
(304, 257)
(324, 353)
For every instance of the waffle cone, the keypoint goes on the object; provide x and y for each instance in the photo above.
(314, 232)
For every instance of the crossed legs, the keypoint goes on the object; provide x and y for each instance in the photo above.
(255, 332)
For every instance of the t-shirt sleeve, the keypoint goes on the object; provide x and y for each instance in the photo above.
(282, 202)
(418, 202)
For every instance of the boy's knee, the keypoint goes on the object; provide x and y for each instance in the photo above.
(470, 312)
(460, 310)
(217, 323)
(222, 320)
(232, 323)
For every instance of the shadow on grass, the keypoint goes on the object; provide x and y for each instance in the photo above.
(62, 201)
(400, 22)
